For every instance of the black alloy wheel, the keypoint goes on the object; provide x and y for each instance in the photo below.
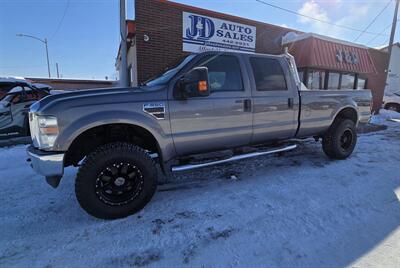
(346, 140)
(116, 180)
(340, 140)
(119, 183)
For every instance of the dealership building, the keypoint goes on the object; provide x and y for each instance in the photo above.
(164, 31)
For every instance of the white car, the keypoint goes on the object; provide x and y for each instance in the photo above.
(391, 101)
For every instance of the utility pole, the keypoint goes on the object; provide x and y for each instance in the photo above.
(393, 29)
(45, 43)
(47, 57)
(123, 72)
(58, 75)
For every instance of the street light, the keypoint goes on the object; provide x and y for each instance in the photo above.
(45, 43)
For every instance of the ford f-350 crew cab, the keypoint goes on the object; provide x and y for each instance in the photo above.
(205, 103)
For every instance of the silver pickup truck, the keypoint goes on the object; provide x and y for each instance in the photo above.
(206, 103)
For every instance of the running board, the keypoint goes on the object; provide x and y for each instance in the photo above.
(231, 159)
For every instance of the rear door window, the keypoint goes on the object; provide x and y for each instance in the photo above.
(268, 74)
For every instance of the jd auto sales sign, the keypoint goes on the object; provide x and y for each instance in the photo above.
(201, 33)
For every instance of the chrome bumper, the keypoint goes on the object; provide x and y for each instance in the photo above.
(48, 164)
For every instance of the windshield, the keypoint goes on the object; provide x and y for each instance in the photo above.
(168, 73)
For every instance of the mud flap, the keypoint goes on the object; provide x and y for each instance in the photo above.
(53, 181)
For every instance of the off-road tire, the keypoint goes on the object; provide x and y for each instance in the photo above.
(333, 143)
(86, 184)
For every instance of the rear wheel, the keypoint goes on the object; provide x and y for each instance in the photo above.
(340, 140)
(115, 181)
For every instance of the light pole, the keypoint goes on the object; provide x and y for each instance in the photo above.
(123, 77)
(45, 43)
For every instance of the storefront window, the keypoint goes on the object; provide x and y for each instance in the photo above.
(361, 83)
(347, 81)
(316, 79)
(301, 75)
(333, 80)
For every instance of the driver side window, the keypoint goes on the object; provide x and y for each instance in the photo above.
(223, 73)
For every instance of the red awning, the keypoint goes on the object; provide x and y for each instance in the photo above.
(317, 53)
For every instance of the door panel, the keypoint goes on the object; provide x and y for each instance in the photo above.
(5, 117)
(220, 120)
(275, 105)
(210, 123)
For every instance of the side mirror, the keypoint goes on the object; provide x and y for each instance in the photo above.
(193, 84)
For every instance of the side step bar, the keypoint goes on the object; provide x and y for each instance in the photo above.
(231, 159)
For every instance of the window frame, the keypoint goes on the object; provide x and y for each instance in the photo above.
(239, 64)
(254, 78)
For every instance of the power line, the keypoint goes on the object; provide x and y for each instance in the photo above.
(312, 18)
(372, 22)
(61, 20)
(376, 36)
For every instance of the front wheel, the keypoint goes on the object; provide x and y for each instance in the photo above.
(115, 181)
(340, 140)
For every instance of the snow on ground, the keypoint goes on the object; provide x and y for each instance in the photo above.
(299, 209)
(384, 116)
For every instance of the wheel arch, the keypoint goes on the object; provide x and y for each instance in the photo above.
(348, 112)
(113, 123)
(101, 134)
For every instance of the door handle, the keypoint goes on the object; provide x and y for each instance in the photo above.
(290, 102)
(5, 113)
(247, 105)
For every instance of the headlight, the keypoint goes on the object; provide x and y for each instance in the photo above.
(44, 130)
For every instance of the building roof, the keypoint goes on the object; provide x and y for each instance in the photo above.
(318, 52)
(65, 83)
(297, 37)
(384, 47)
(69, 80)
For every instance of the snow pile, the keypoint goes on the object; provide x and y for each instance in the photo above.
(384, 116)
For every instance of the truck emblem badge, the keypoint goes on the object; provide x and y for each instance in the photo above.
(155, 109)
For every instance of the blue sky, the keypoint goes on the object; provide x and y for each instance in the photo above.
(85, 42)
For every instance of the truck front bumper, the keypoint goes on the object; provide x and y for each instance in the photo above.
(47, 164)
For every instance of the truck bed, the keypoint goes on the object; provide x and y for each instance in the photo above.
(320, 107)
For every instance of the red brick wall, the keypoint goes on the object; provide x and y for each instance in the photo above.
(162, 22)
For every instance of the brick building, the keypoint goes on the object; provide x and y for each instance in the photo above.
(161, 34)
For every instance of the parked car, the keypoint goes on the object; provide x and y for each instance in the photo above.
(15, 100)
(391, 101)
(8, 83)
(208, 102)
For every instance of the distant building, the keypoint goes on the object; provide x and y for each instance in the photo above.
(165, 31)
(64, 83)
(393, 80)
